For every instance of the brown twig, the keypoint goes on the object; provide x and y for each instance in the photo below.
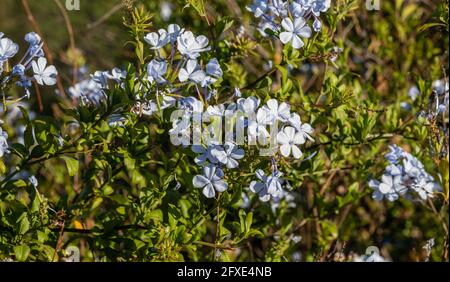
(71, 36)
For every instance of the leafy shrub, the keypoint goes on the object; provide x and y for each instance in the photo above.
(264, 131)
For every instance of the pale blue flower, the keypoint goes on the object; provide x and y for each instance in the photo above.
(191, 46)
(191, 72)
(157, 39)
(211, 181)
(156, 71)
(228, 154)
(44, 75)
(294, 31)
(8, 49)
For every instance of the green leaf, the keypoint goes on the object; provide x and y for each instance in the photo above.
(72, 165)
(24, 225)
(21, 252)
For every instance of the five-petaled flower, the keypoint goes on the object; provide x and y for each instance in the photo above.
(211, 181)
(289, 139)
(294, 31)
(44, 75)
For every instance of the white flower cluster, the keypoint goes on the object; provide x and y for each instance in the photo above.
(289, 19)
(215, 156)
(190, 48)
(33, 59)
(404, 176)
(91, 90)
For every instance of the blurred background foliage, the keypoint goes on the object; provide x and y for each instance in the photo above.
(385, 53)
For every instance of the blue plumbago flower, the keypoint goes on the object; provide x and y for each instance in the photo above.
(283, 196)
(33, 181)
(116, 120)
(441, 103)
(213, 72)
(291, 16)
(228, 154)
(268, 187)
(205, 155)
(260, 187)
(33, 38)
(192, 72)
(191, 46)
(101, 77)
(404, 176)
(257, 129)
(157, 39)
(413, 93)
(19, 70)
(211, 181)
(279, 112)
(216, 110)
(156, 71)
(117, 75)
(373, 257)
(88, 91)
(3, 142)
(258, 8)
(304, 129)
(44, 75)
(91, 89)
(174, 31)
(294, 31)
(165, 10)
(289, 140)
(8, 49)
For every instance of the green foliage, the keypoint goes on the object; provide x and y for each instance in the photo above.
(125, 193)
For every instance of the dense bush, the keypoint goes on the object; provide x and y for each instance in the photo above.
(338, 117)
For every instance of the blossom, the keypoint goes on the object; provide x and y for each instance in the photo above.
(210, 181)
(33, 181)
(191, 72)
(8, 49)
(192, 104)
(117, 75)
(228, 154)
(388, 187)
(258, 8)
(404, 175)
(156, 71)
(174, 31)
(289, 139)
(260, 187)
(303, 128)
(279, 112)
(165, 10)
(257, 128)
(294, 31)
(116, 120)
(157, 39)
(204, 155)
(191, 46)
(213, 72)
(3, 142)
(33, 38)
(44, 75)
(88, 90)
(216, 110)
(248, 105)
(101, 77)
(180, 132)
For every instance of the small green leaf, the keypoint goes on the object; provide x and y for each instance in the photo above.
(72, 165)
